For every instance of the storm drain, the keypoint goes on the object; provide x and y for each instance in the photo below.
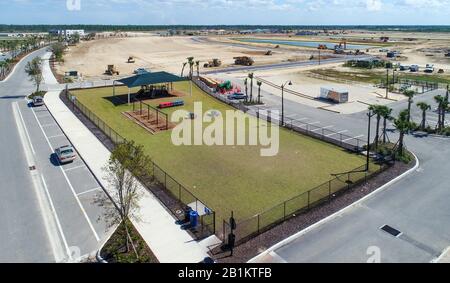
(32, 168)
(388, 229)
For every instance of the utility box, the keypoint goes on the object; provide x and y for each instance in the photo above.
(335, 95)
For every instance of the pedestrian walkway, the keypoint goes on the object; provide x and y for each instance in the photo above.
(157, 226)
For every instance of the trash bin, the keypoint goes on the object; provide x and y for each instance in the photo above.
(187, 214)
(194, 219)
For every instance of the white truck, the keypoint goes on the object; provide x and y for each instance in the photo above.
(333, 94)
(429, 68)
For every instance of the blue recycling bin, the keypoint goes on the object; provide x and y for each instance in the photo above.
(194, 219)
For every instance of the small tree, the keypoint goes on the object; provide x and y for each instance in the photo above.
(34, 71)
(386, 114)
(182, 69)
(440, 100)
(58, 50)
(127, 163)
(197, 64)
(251, 76)
(376, 109)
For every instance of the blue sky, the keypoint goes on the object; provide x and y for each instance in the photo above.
(231, 12)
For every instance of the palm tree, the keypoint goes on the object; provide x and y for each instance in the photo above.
(191, 66)
(251, 76)
(410, 94)
(197, 64)
(259, 91)
(440, 100)
(182, 70)
(386, 114)
(403, 126)
(424, 107)
(376, 109)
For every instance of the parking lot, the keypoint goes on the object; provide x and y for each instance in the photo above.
(73, 191)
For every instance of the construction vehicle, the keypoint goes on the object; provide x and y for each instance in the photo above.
(111, 70)
(441, 71)
(322, 47)
(343, 44)
(447, 55)
(269, 53)
(244, 60)
(131, 60)
(213, 63)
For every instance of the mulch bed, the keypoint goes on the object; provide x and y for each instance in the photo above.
(149, 121)
(255, 246)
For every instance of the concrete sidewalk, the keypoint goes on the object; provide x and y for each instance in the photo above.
(157, 226)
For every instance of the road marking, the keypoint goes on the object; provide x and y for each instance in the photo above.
(357, 137)
(89, 191)
(16, 108)
(56, 136)
(69, 183)
(314, 123)
(42, 194)
(337, 133)
(324, 128)
(46, 125)
(75, 168)
(58, 223)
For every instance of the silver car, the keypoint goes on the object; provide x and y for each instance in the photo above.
(38, 101)
(66, 154)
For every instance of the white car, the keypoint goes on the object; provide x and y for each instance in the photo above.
(65, 154)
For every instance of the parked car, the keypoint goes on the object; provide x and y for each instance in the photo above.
(38, 101)
(141, 71)
(237, 96)
(65, 154)
(414, 68)
(429, 68)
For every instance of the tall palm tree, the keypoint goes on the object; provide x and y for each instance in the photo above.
(403, 126)
(259, 83)
(410, 94)
(376, 109)
(191, 66)
(424, 107)
(440, 100)
(197, 64)
(251, 76)
(182, 70)
(386, 114)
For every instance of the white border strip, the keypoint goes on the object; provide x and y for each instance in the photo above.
(335, 215)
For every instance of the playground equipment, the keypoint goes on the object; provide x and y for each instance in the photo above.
(131, 60)
(111, 70)
(225, 86)
(171, 104)
(213, 63)
(243, 60)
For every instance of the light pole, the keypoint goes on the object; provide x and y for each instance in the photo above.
(282, 100)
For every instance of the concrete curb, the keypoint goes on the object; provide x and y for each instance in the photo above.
(444, 254)
(334, 215)
(15, 66)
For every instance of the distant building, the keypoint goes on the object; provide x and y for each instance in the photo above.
(306, 32)
(67, 33)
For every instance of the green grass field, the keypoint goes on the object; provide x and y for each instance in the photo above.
(229, 177)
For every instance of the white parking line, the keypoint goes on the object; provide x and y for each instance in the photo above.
(46, 125)
(89, 191)
(314, 123)
(75, 168)
(69, 183)
(56, 136)
(324, 128)
(357, 137)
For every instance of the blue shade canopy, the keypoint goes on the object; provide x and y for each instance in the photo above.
(150, 79)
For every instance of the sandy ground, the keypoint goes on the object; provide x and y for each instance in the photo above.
(156, 53)
(360, 95)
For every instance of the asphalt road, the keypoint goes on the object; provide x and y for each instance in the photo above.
(417, 205)
(48, 213)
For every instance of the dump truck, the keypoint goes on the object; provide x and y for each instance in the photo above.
(244, 60)
(131, 60)
(213, 63)
(111, 70)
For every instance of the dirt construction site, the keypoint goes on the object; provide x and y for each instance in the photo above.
(157, 53)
